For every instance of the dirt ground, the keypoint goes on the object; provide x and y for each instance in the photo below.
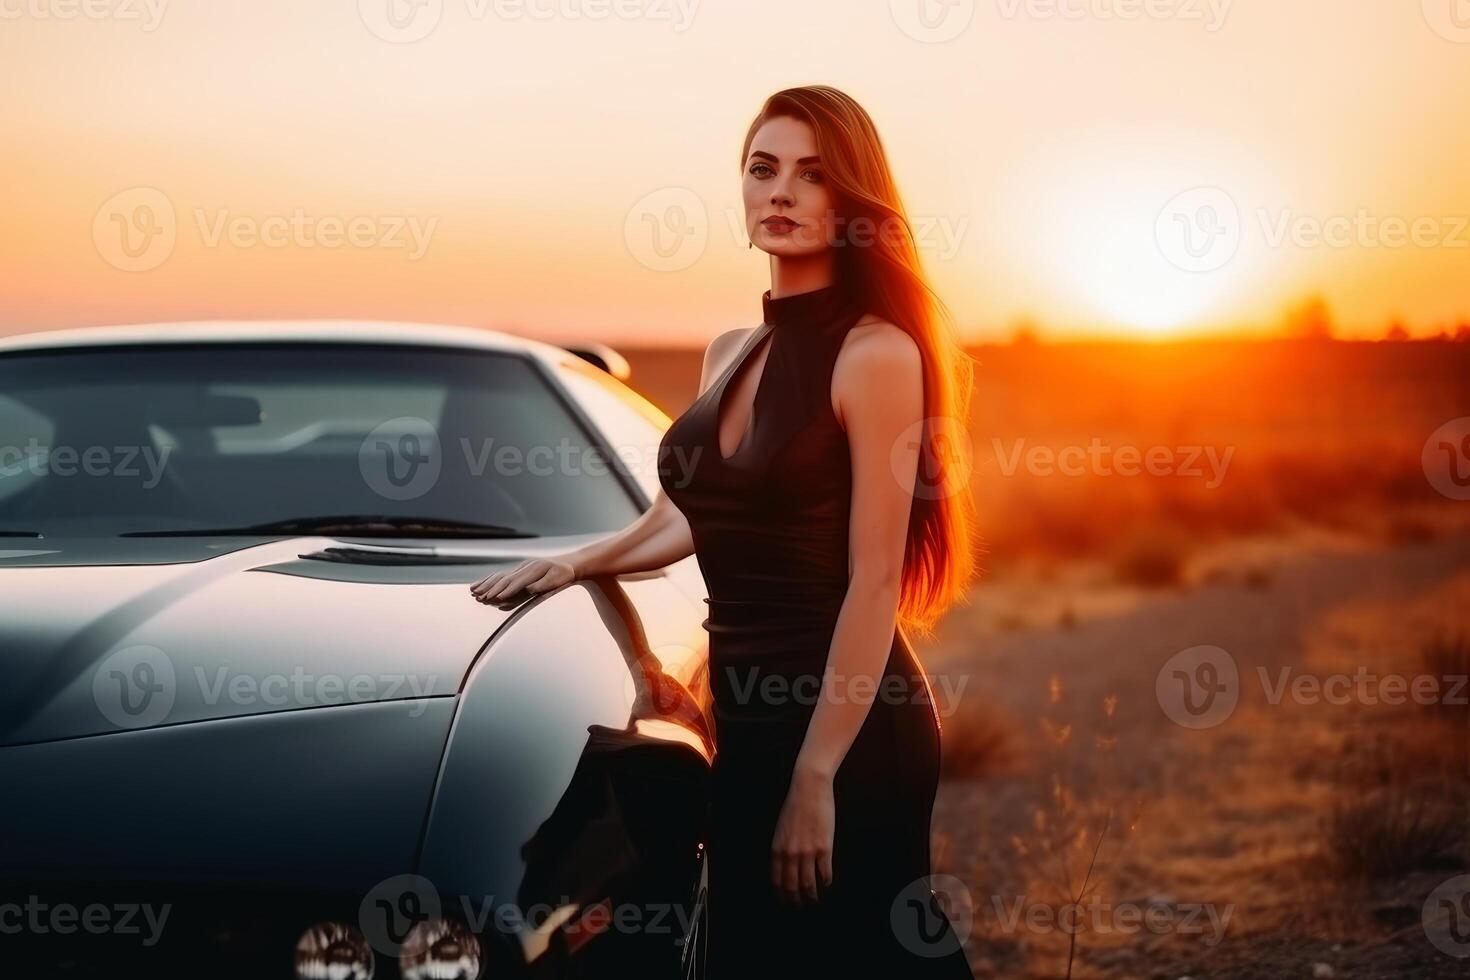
(1217, 861)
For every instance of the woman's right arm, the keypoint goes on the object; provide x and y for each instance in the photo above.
(659, 537)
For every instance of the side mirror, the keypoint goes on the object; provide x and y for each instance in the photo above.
(605, 358)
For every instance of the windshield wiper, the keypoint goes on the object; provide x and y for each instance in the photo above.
(20, 534)
(359, 525)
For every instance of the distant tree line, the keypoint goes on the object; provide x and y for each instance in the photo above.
(1311, 319)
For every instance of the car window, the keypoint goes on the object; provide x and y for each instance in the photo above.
(24, 436)
(632, 423)
(214, 435)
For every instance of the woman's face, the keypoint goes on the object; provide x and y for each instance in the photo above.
(789, 205)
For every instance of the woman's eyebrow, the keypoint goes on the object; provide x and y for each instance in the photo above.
(772, 157)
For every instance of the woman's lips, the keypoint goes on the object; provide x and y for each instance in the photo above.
(779, 225)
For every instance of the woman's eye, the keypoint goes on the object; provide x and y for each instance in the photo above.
(815, 176)
(760, 169)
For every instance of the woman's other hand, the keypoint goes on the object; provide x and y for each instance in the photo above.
(801, 851)
(531, 577)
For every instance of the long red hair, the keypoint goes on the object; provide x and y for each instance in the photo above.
(883, 276)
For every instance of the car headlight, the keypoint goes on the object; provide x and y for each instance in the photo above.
(440, 949)
(333, 951)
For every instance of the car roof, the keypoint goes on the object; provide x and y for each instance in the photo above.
(282, 331)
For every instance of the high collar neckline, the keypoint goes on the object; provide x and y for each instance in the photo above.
(817, 307)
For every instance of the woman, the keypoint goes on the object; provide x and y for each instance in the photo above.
(801, 496)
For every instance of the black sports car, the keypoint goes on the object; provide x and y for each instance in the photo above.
(252, 721)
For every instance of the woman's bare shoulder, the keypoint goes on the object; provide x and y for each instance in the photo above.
(878, 361)
(719, 352)
(874, 342)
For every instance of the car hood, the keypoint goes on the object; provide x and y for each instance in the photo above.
(330, 800)
(197, 630)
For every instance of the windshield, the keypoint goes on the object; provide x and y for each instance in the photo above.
(211, 437)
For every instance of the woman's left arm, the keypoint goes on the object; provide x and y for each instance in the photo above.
(879, 386)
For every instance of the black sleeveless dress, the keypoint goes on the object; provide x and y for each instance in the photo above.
(770, 529)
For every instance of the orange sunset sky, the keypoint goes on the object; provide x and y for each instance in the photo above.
(568, 169)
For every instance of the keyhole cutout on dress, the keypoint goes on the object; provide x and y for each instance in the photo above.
(745, 382)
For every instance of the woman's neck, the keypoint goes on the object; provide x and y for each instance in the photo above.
(790, 276)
